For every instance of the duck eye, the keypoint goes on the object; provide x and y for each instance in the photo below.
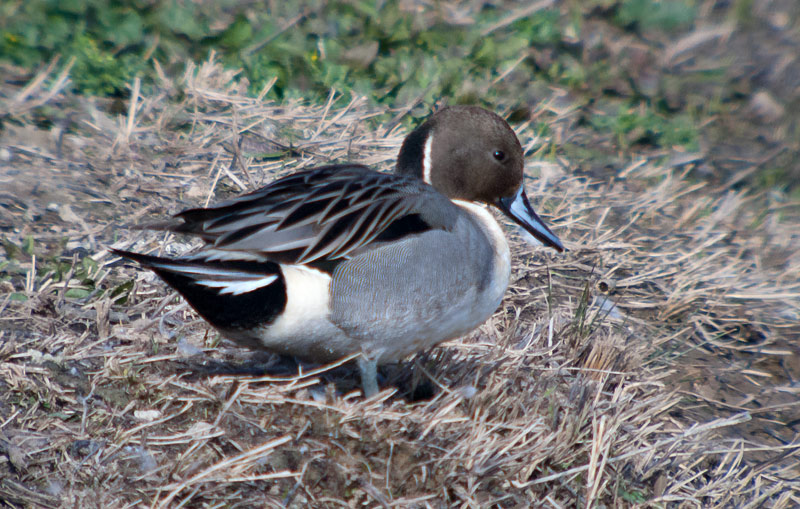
(499, 155)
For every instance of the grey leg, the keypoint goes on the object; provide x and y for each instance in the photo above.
(369, 375)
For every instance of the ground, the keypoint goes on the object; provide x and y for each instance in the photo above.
(655, 363)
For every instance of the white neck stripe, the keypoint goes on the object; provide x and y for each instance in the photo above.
(426, 159)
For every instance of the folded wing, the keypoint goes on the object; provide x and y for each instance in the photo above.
(325, 214)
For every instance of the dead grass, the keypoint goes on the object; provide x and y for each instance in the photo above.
(596, 384)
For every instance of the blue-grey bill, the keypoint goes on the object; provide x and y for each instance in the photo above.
(519, 209)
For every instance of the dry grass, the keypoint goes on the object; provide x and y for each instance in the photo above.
(591, 386)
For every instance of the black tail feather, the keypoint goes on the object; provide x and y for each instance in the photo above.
(259, 306)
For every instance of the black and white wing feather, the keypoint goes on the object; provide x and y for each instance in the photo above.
(325, 214)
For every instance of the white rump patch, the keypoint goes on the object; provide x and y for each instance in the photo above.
(307, 301)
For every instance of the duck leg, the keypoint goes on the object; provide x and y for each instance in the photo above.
(368, 367)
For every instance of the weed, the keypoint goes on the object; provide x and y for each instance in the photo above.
(640, 124)
(644, 15)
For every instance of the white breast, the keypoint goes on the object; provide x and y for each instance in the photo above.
(502, 255)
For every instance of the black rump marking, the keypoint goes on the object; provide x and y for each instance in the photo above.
(257, 307)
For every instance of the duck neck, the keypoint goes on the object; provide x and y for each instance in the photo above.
(414, 159)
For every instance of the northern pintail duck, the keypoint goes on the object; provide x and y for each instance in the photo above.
(340, 259)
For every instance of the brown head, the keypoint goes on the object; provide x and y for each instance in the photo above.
(469, 153)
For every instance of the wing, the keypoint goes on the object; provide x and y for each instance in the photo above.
(316, 216)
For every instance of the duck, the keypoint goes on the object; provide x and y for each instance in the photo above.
(342, 260)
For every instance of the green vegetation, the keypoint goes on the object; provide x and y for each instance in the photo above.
(106, 39)
(305, 49)
(385, 53)
(644, 125)
(644, 15)
(17, 267)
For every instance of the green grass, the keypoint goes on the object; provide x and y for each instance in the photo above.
(384, 53)
(390, 55)
(646, 15)
(638, 124)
